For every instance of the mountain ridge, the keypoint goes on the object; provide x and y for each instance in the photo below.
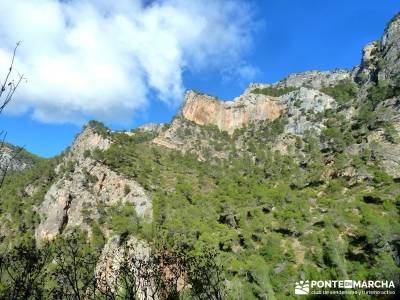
(296, 180)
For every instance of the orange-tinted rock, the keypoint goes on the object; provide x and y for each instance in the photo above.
(230, 115)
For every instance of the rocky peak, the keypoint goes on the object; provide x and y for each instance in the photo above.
(89, 139)
(87, 186)
(369, 51)
(391, 35)
(380, 61)
(230, 115)
(390, 49)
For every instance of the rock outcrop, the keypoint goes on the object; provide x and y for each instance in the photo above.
(380, 60)
(298, 107)
(199, 110)
(87, 140)
(130, 258)
(153, 127)
(230, 115)
(311, 79)
(301, 105)
(84, 187)
(14, 159)
(390, 49)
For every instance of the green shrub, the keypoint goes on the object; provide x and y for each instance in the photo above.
(124, 220)
(99, 128)
(391, 134)
(274, 91)
(271, 250)
(381, 91)
(343, 92)
(98, 239)
(377, 93)
(127, 189)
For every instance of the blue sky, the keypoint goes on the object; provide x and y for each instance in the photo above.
(282, 37)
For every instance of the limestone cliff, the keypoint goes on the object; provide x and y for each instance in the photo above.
(230, 115)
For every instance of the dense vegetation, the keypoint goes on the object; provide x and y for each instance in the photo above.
(343, 92)
(241, 216)
(66, 269)
(271, 217)
(369, 116)
(20, 193)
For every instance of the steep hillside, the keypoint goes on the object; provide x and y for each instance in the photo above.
(296, 180)
(87, 190)
(15, 159)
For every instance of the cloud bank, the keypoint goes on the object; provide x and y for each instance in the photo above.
(101, 59)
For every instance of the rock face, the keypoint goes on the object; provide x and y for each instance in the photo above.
(199, 109)
(303, 103)
(311, 79)
(82, 190)
(230, 115)
(133, 256)
(380, 61)
(14, 159)
(153, 127)
(390, 49)
(88, 140)
(86, 187)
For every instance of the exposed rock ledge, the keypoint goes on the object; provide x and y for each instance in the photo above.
(230, 115)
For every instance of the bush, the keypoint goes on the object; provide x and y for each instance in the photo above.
(127, 189)
(98, 128)
(391, 134)
(343, 92)
(124, 220)
(381, 91)
(274, 91)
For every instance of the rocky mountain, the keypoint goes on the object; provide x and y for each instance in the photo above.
(15, 159)
(84, 186)
(295, 180)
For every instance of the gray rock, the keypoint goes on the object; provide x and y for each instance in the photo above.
(134, 255)
(311, 79)
(14, 158)
(390, 49)
(301, 105)
(153, 127)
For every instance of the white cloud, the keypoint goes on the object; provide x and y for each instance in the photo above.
(100, 59)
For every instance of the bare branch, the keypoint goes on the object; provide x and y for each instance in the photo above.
(5, 83)
(7, 91)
